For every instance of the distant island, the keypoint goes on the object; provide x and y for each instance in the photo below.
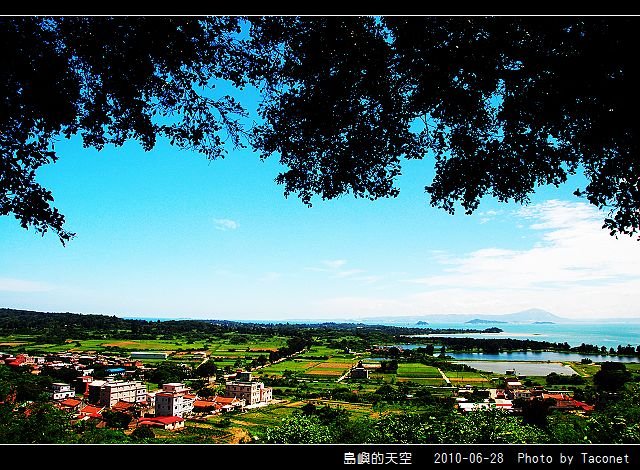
(422, 323)
(525, 316)
(544, 323)
(493, 330)
(479, 320)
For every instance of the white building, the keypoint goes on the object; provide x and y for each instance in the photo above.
(174, 400)
(250, 391)
(175, 387)
(109, 392)
(62, 391)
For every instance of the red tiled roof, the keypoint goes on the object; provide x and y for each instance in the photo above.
(148, 422)
(204, 404)
(190, 396)
(161, 419)
(91, 410)
(122, 405)
(70, 402)
(225, 400)
(555, 396)
(583, 405)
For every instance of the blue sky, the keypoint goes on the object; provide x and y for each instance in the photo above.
(168, 234)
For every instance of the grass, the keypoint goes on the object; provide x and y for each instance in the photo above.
(417, 370)
(257, 419)
(295, 365)
(316, 351)
(222, 351)
(584, 370)
(330, 368)
(433, 382)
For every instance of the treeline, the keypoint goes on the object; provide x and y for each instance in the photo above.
(58, 328)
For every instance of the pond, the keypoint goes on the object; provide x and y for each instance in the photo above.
(540, 356)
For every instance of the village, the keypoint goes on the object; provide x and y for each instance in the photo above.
(167, 408)
(87, 398)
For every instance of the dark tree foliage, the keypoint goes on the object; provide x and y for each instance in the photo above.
(506, 104)
(535, 411)
(33, 423)
(206, 369)
(117, 419)
(109, 80)
(503, 104)
(611, 377)
(166, 372)
(556, 379)
(18, 384)
(143, 434)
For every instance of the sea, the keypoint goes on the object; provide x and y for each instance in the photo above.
(609, 335)
(602, 334)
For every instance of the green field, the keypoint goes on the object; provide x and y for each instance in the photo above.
(251, 422)
(471, 378)
(417, 370)
(221, 348)
(272, 415)
(584, 370)
(294, 365)
(316, 351)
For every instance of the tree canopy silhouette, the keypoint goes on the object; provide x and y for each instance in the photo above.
(502, 104)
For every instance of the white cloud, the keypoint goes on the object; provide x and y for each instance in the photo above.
(573, 250)
(335, 263)
(226, 224)
(333, 268)
(21, 285)
(489, 215)
(573, 268)
(270, 276)
(348, 273)
(370, 279)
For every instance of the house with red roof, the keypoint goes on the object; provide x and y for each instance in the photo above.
(229, 403)
(171, 423)
(567, 403)
(70, 404)
(91, 411)
(206, 406)
(16, 361)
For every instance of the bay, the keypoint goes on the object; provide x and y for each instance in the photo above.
(609, 335)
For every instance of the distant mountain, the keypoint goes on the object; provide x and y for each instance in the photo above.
(526, 316)
(480, 320)
(532, 315)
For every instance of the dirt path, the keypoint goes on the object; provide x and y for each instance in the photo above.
(238, 436)
(446, 379)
